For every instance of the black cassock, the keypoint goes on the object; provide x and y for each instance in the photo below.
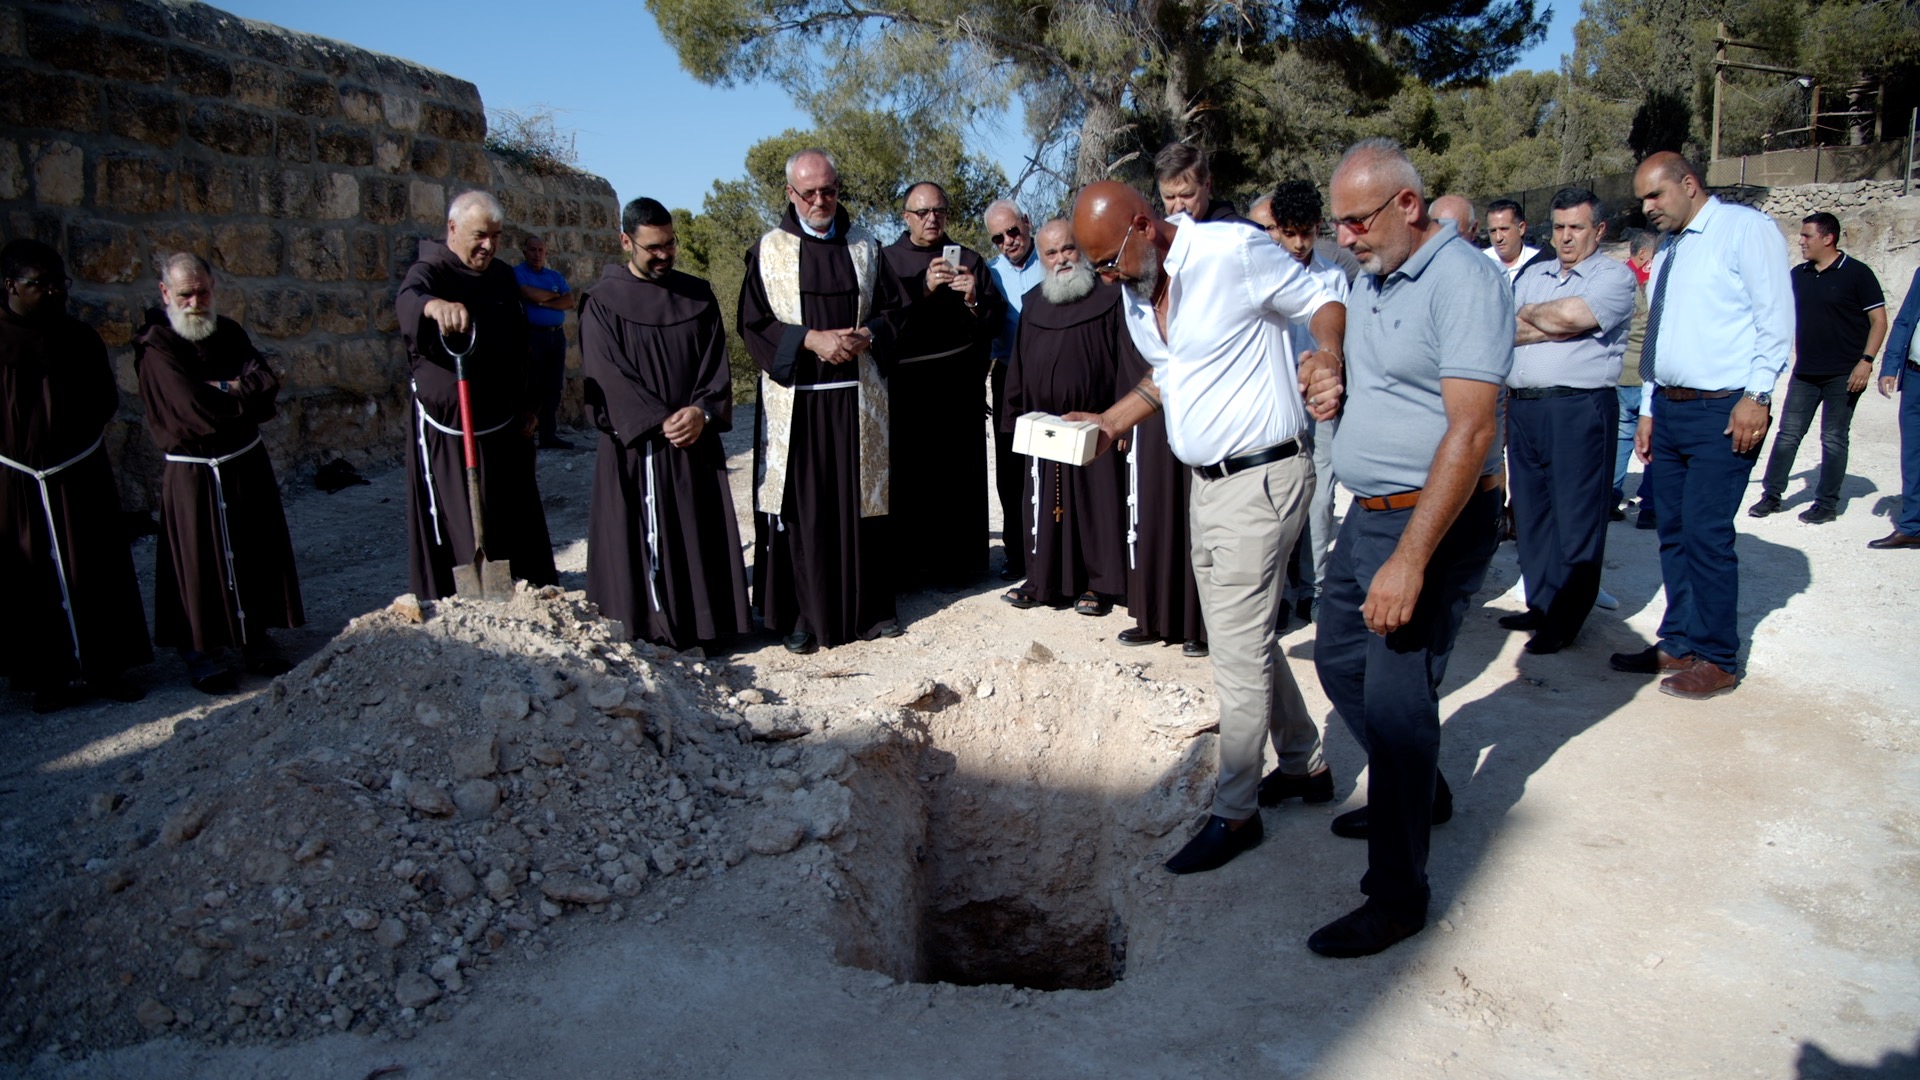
(56, 396)
(1069, 358)
(663, 547)
(1162, 595)
(938, 411)
(216, 582)
(819, 566)
(439, 522)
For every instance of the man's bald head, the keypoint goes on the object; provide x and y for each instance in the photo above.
(1116, 229)
(1457, 209)
(1379, 208)
(1054, 233)
(1670, 191)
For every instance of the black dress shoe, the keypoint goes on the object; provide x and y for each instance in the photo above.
(1645, 520)
(1767, 504)
(216, 684)
(1895, 539)
(1523, 620)
(800, 642)
(1364, 931)
(1216, 845)
(1279, 787)
(1305, 607)
(1546, 642)
(1133, 635)
(1353, 823)
(1194, 647)
(1818, 515)
(1618, 513)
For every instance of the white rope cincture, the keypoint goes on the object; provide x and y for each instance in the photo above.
(53, 532)
(1033, 470)
(653, 534)
(1133, 495)
(426, 461)
(226, 536)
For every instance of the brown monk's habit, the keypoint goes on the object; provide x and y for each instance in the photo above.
(1068, 358)
(194, 603)
(56, 396)
(937, 397)
(439, 522)
(1162, 596)
(818, 565)
(663, 546)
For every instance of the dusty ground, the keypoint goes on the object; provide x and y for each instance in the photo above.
(1633, 885)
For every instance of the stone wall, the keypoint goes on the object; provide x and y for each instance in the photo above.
(304, 169)
(1877, 225)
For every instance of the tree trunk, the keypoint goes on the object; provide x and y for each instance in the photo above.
(1100, 132)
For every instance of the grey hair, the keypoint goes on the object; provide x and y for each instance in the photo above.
(471, 202)
(1383, 158)
(811, 151)
(184, 262)
(1003, 204)
(1639, 240)
(1265, 199)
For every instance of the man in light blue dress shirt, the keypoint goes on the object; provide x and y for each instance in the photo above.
(1722, 276)
(1016, 270)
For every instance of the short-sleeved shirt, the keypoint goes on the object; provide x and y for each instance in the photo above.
(549, 279)
(1014, 282)
(1226, 372)
(1830, 308)
(1589, 361)
(1446, 314)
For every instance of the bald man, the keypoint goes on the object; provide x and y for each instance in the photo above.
(1209, 305)
(1457, 209)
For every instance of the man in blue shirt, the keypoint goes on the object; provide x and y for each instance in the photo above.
(544, 293)
(1901, 369)
(1015, 272)
(1722, 275)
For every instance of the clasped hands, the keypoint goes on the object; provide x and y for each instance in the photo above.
(839, 346)
(683, 428)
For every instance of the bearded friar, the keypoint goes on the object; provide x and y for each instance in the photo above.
(76, 622)
(938, 398)
(1072, 353)
(458, 298)
(224, 573)
(663, 548)
(815, 313)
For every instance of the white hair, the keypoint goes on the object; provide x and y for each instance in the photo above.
(811, 151)
(184, 262)
(476, 202)
(1002, 204)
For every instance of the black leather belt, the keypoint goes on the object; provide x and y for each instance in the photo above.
(1681, 393)
(1233, 465)
(1913, 365)
(1532, 393)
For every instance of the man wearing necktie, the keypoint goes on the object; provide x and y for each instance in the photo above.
(1706, 411)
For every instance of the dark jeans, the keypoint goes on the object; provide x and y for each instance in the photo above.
(1388, 688)
(1629, 399)
(1559, 466)
(1009, 475)
(1698, 482)
(547, 350)
(1830, 395)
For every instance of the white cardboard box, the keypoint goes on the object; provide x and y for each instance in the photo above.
(1044, 435)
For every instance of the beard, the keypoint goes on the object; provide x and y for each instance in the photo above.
(1149, 278)
(192, 325)
(1071, 285)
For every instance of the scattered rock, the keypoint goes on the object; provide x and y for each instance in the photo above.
(752, 696)
(573, 889)
(910, 695)
(476, 758)
(775, 835)
(186, 823)
(191, 965)
(416, 991)
(1039, 654)
(457, 880)
(503, 706)
(152, 1015)
(775, 722)
(407, 607)
(360, 919)
(391, 933)
(477, 798)
(429, 799)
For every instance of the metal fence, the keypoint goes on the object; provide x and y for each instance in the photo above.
(1813, 165)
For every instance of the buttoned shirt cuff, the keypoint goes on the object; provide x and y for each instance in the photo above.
(1761, 382)
(1646, 399)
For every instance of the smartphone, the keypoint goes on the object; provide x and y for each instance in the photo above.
(951, 253)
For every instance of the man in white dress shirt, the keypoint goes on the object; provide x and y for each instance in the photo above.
(1507, 236)
(1209, 305)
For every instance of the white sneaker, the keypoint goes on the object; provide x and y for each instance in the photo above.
(1606, 601)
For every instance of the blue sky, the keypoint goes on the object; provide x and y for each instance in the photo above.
(602, 67)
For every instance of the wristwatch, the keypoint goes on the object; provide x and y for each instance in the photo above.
(1765, 401)
(1866, 358)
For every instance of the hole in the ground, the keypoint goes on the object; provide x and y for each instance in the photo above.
(1010, 940)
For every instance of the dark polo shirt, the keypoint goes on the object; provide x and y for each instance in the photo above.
(1830, 309)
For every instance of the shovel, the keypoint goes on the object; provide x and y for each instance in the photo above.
(483, 580)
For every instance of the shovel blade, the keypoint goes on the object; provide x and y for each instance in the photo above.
(466, 582)
(496, 580)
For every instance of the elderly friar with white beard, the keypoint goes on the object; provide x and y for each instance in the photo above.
(1072, 353)
(224, 573)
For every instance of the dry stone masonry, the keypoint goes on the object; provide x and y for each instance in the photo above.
(304, 169)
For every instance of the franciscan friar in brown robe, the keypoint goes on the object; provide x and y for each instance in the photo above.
(663, 549)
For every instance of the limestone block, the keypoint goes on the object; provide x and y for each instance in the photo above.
(102, 251)
(390, 152)
(471, 165)
(361, 105)
(231, 130)
(48, 100)
(247, 250)
(59, 174)
(293, 141)
(13, 173)
(132, 183)
(264, 43)
(599, 214)
(385, 321)
(426, 203)
(111, 316)
(345, 144)
(310, 97)
(452, 122)
(171, 237)
(206, 187)
(201, 74)
(340, 311)
(337, 196)
(383, 200)
(287, 194)
(282, 312)
(10, 44)
(72, 45)
(403, 112)
(367, 255)
(317, 254)
(406, 249)
(430, 157)
(147, 115)
(256, 84)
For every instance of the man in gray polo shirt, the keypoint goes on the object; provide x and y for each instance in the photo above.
(1429, 344)
(1563, 419)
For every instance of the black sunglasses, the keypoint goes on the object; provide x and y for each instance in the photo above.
(1013, 233)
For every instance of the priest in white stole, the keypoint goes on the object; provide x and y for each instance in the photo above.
(816, 312)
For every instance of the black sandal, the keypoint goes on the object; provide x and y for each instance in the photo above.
(1091, 603)
(1019, 598)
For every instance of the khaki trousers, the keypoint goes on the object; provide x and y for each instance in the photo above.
(1243, 529)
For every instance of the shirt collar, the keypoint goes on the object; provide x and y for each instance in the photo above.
(1416, 263)
(1708, 211)
(1578, 269)
(1182, 243)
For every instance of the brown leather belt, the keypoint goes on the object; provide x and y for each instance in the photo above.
(1404, 499)
(1681, 393)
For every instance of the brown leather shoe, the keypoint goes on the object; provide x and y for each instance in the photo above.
(1651, 660)
(1701, 681)
(1895, 539)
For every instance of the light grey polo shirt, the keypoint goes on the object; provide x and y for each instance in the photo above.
(1447, 313)
(1590, 361)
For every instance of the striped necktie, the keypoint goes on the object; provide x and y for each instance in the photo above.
(1657, 305)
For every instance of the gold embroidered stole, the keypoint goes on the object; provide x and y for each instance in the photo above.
(780, 273)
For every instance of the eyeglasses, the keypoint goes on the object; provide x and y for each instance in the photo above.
(1012, 233)
(45, 284)
(1112, 266)
(660, 251)
(927, 212)
(823, 193)
(1359, 226)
